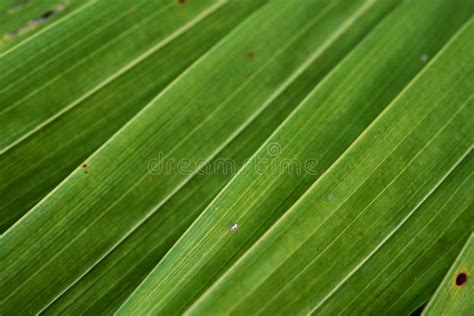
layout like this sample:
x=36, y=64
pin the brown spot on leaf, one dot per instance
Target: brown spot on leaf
x=461, y=279
x=251, y=55
x=84, y=165
x=362, y=234
x=181, y=1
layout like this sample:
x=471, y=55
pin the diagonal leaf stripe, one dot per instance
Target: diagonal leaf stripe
x=68, y=219
x=255, y=199
x=59, y=92
x=379, y=186
x=120, y=272
x=21, y=21
x=454, y=295
x=32, y=168
x=406, y=269
x=216, y=157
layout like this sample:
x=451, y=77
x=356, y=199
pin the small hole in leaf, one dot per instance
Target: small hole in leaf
x=461, y=279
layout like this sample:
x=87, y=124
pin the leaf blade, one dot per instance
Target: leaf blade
x=255, y=198
x=114, y=176
x=21, y=21
x=454, y=295
x=91, y=122
x=61, y=86
x=143, y=244
x=286, y=262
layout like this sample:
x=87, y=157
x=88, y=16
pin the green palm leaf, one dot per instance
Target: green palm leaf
x=121, y=268
x=126, y=46
x=55, y=150
x=219, y=157
x=201, y=131
x=371, y=187
x=22, y=20
x=255, y=199
x=455, y=293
